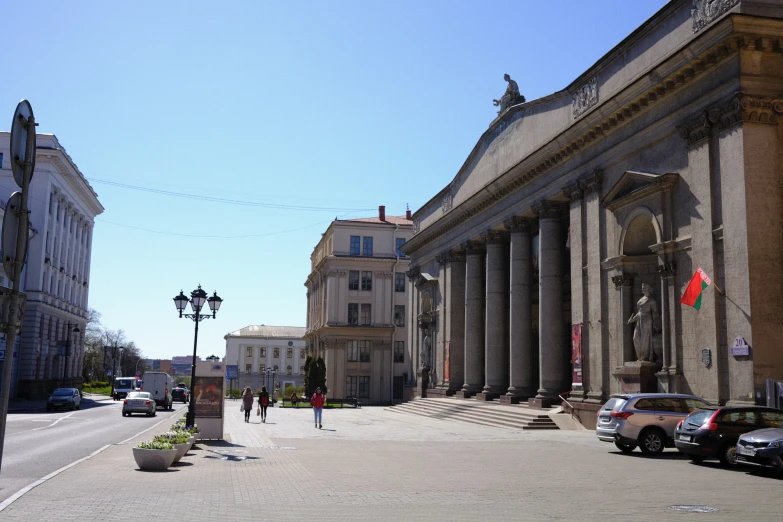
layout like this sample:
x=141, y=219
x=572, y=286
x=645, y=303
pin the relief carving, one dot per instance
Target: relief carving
x=585, y=97
x=447, y=202
x=704, y=12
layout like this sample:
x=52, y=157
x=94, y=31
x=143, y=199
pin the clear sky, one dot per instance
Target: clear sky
x=294, y=112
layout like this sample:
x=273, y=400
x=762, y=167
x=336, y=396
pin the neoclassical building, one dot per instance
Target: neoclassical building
x=555, y=260
x=63, y=207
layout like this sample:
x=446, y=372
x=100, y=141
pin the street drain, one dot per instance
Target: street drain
x=694, y=509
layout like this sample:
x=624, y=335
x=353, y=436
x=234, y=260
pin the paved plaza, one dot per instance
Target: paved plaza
x=374, y=464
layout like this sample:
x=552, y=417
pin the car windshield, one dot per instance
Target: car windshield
x=611, y=403
x=124, y=383
x=138, y=395
x=63, y=392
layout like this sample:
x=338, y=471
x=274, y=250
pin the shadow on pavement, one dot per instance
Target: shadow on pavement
x=639, y=455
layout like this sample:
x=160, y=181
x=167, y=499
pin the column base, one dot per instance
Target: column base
x=637, y=377
x=512, y=399
x=440, y=392
x=422, y=390
x=465, y=394
x=487, y=396
x=543, y=402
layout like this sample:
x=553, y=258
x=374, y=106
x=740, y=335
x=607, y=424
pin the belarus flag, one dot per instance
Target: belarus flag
x=692, y=295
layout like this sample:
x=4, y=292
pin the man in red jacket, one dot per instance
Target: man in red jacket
x=318, y=400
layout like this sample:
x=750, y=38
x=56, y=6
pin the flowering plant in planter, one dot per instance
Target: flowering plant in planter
x=155, y=445
x=173, y=437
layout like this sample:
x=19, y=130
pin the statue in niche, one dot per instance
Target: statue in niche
x=644, y=318
x=424, y=354
x=511, y=96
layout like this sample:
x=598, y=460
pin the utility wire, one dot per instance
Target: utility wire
x=212, y=237
x=228, y=201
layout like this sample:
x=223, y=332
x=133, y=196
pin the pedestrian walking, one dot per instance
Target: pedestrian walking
x=318, y=400
x=247, y=402
x=263, y=402
x=293, y=400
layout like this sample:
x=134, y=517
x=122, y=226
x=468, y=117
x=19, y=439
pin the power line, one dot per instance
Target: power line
x=226, y=200
x=211, y=237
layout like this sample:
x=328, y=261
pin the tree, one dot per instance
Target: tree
x=308, y=377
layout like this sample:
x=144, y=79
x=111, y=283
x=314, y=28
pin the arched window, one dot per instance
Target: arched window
x=289, y=370
x=276, y=368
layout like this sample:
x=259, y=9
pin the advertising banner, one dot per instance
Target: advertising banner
x=576, y=354
x=208, y=392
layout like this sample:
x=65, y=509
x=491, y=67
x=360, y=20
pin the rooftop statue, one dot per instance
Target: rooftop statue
x=511, y=96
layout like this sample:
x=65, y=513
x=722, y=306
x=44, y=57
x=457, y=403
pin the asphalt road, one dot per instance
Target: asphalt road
x=38, y=442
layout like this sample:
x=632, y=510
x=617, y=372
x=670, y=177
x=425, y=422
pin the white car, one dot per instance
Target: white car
x=138, y=402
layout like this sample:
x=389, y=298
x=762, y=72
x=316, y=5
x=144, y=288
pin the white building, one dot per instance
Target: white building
x=264, y=354
x=356, y=307
x=63, y=207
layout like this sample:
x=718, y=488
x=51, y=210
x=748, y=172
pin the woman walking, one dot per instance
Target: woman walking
x=247, y=402
x=263, y=402
x=318, y=400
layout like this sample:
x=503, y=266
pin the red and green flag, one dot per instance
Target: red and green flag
x=692, y=295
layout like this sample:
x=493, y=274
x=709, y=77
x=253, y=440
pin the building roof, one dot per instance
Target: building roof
x=271, y=332
x=390, y=220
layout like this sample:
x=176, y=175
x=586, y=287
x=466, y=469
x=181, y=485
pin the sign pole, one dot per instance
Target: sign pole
x=17, y=299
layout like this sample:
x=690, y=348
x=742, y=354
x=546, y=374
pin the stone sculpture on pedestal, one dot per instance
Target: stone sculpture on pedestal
x=424, y=354
x=644, y=318
x=511, y=96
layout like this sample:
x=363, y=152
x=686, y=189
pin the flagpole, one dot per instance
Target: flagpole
x=721, y=292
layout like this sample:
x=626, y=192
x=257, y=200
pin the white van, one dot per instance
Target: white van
x=159, y=385
x=123, y=386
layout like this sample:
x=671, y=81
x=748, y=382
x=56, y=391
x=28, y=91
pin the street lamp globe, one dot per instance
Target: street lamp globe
x=181, y=301
x=197, y=298
x=214, y=303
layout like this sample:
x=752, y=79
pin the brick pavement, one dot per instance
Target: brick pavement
x=370, y=464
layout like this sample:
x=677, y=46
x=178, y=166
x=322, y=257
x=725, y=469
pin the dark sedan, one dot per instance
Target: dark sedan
x=180, y=393
x=69, y=398
x=713, y=432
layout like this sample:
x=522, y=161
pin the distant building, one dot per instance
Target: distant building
x=182, y=364
x=63, y=207
x=264, y=354
x=356, y=307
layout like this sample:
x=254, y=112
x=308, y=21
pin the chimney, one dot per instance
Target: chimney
x=382, y=213
x=408, y=214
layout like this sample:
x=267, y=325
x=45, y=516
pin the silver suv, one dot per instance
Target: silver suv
x=646, y=420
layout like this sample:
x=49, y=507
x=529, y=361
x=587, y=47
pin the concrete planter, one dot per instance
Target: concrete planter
x=154, y=460
x=192, y=440
x=181, y=450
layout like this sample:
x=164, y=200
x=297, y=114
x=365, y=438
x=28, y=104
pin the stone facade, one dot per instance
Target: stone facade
x=63, y=207
x=357, y=302
x=264, y=354
x=663, y=157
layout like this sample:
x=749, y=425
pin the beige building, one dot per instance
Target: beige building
x=356, y=307
x=265, y=354
x=556, y=259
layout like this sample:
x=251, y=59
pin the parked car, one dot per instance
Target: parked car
x=180, y=393
x=712, y=433
x=139, y=402
x=646, y=420
x=763, y=447
x=64, y=398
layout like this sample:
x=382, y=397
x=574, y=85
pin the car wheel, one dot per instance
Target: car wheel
x=155, y=413
x=625, y=448
x=696, y=459
x=728, y=454
x=651, y=442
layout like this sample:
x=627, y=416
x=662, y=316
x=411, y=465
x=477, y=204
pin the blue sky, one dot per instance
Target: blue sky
x=337, y=107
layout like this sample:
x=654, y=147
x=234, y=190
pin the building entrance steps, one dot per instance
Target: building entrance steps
x=476, y=412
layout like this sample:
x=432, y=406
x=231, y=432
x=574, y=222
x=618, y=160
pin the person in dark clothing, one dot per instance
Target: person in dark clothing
x=247, y=402
x=263, y=402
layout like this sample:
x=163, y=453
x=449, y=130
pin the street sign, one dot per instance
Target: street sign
x=10, y=233
x=108, y=372
x=138, y=373
x=231, y=371
x=19, y=141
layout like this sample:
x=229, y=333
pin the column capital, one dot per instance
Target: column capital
x=413, y=272
x=592, y=182
x=547, y=210
x=622, y=280
x=667, y=269
x=457, y=256
x=573, y=192
x=493, y=237
x=473, y=248
x=444, y=258
x=518, y=225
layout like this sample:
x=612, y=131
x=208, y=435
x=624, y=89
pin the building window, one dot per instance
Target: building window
x=1, y=161
x=355, y=246
x=366, y=315
x=289, y=353
x=400, y=242
x=301, y=370
x=366, y=280
x=352, y=349
x=364, y=351
x=364, y=387
x=367, y=246
x=262, y=368
x=276, y=353
x=399, y=351
x=276, y=369
x=353, y=280
x=399, y=315
x=249, y=351
x=353, y=313
x=399, y=282
x=351, y=386
x=263, y=351
x=289, y=370
x=248, y=368
x=301, y=353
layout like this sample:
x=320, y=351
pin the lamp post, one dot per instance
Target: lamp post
x=197, y=299
x=68, y=331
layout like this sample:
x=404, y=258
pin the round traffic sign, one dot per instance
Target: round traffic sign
x=10, y=233
x=19, y=141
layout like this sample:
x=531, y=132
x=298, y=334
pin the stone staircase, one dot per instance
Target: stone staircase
x=519, y=417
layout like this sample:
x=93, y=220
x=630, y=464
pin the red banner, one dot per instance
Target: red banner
x=576, y=354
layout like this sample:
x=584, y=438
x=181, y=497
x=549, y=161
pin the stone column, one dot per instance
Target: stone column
x=441, y=305
x=496, y=317
x=455, y=322
x=666, y=376
x=474, y=320
x=595, y=325
x=579, y=316
x=521, y=385
x=552, y=355
x=625, y=284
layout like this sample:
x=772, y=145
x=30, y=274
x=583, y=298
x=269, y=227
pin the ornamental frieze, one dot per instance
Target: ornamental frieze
x=705, y=12
x=585, y=97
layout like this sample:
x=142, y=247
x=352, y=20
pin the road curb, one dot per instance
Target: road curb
x=16, y=496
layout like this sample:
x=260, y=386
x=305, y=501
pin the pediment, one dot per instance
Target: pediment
x=635, y=186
